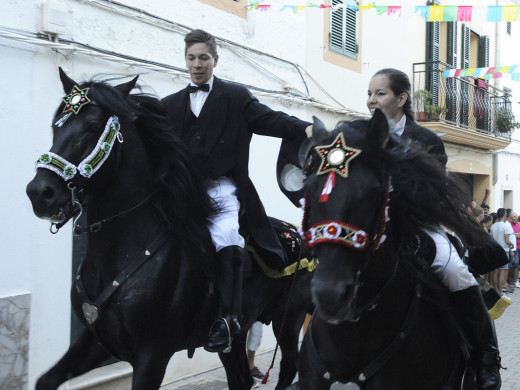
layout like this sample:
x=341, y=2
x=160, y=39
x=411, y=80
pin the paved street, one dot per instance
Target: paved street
x=508, y=331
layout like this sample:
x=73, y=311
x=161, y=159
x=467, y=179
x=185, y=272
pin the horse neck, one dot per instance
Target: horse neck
x=386, y=273
x=127, y=199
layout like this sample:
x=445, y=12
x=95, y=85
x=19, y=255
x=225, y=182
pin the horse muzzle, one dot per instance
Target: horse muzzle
x=335, y=301
x=50, y=199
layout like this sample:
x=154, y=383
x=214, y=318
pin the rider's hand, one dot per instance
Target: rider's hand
x=308, y=131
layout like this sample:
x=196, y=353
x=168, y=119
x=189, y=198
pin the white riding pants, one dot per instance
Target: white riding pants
x=254, y=336
x=447, y=265
x=223, y=226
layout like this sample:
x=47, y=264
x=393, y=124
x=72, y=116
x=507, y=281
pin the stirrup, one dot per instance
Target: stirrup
x=228, y=349
x=223, y=319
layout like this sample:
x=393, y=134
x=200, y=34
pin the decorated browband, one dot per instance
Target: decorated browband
x=74, y=101
x=335, y=158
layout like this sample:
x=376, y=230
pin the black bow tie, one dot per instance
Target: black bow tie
x=195, y=88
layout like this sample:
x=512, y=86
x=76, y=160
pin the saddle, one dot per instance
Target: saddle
x=293, y=246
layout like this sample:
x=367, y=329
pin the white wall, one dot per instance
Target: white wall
x=507, y=172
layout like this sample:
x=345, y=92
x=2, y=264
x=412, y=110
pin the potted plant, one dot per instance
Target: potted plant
x=422, y=98
x=505, y=120
x=434, y=112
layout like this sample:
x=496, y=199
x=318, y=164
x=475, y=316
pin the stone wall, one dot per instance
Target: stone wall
x=14, y=341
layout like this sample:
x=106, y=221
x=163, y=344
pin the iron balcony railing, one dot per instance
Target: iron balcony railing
x=468, y=102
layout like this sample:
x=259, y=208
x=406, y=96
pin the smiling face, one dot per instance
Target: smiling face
x=200, y=63
x=381, y=96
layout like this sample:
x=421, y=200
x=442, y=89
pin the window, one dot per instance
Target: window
x=233, y=7
x=508, y=28
x=343, y=38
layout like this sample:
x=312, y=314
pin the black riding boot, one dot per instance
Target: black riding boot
x=474, y=321
x=229, y=287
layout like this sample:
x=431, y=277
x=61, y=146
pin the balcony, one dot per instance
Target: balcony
x=466, y=111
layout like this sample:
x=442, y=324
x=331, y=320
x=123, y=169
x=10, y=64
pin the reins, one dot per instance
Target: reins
x=300, y=254
x=96, y=226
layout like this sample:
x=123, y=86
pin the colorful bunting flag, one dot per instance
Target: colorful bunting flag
x=492, y=72
x=431, y=13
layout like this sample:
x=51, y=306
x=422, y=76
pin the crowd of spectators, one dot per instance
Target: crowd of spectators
x=503, y=225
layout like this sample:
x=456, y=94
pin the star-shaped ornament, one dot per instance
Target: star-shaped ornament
x=76, y=99
x=336, y=156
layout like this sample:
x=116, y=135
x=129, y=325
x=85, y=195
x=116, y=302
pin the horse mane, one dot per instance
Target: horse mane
x=183, y=202
x=424, y=193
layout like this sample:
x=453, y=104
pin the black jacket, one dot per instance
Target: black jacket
x=228, y=119
x=426, y=138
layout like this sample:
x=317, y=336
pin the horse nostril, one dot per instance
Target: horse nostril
x=48, y=193
x=332, y=297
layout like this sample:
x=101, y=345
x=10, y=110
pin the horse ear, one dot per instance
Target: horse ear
x=67, y=82
x=125, y=88
x=378, y=127
x=319, y=130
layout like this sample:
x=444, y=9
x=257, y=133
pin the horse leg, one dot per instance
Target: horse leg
x=82, y=356
x=288, y=341
x=236, y=365
x=149, y=368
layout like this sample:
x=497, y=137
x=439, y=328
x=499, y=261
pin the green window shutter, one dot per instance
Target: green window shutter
x=452, y=55
x=452, y=59
x=483, y=51
x=433, y=43
x=343, y=31
x=465, y=44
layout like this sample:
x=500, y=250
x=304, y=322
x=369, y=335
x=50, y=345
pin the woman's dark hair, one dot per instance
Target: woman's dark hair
x=486, y=219
x=200, y=36
x=400, y=83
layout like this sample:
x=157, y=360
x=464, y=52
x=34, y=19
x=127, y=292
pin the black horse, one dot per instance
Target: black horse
x=145, y=288
x=382, y=320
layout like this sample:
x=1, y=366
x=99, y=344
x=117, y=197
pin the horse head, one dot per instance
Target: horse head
x=344, y=222
x=85, y=132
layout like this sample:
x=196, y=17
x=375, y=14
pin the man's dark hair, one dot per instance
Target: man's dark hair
x=485, y=206
x=200, y=36
x=508, y=212
x=501, y=212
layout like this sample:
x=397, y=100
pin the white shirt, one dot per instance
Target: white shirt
x=398, y=128
x=512, y=236
x=198, y=98
x=499, y=231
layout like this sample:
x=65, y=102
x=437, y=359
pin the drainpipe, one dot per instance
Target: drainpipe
x=497, y=47
x=495, y=169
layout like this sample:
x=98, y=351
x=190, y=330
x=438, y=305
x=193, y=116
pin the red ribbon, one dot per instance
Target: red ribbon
x=327, y=188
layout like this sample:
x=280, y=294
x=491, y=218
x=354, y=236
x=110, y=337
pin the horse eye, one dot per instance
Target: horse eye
x=93, y=127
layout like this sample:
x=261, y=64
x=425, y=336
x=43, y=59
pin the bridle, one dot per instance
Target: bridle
x=90, y=164
x=342, y=232
x=86, y=168
x=334, y=161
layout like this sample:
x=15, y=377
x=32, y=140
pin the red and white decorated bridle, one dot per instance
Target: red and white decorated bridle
x=334, y=160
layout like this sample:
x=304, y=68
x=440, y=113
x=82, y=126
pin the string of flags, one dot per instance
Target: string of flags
x=493, y=72
x=431, y=13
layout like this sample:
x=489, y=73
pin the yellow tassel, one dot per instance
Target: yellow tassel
x=499, y=308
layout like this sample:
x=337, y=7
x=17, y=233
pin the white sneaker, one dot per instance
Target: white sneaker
x=506, y=297
x=517, y=284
